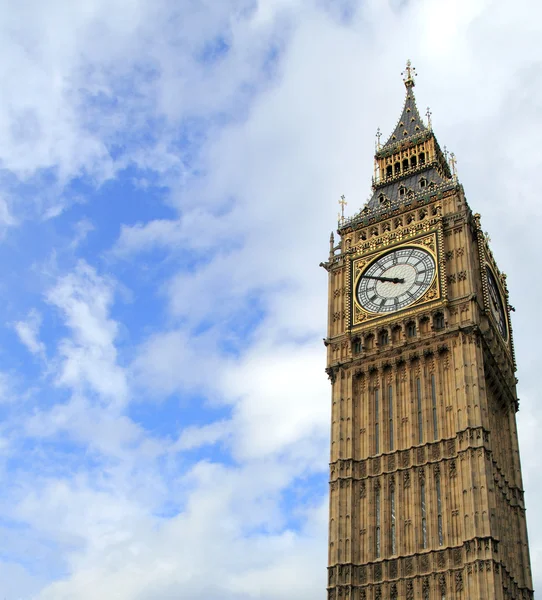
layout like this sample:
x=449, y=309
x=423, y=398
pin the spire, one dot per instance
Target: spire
x=410, y=123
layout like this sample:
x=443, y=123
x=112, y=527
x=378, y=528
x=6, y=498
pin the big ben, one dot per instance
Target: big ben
x=426, y=497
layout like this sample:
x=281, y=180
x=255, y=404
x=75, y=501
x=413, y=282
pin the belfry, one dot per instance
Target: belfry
x=426, y=497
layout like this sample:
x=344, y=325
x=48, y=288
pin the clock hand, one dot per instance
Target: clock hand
x=387, y=279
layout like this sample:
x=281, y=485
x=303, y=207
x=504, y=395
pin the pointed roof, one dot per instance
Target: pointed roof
x=410, y=123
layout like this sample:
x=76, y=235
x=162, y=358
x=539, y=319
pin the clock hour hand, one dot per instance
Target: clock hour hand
x=388, y=279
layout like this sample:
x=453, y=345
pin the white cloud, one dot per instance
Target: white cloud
x=261, y=216
x=28, y=332
x=195, y=437
x=89, y=355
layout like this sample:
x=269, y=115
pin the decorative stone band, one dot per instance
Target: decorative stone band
x=409, y=574
x=367, y=215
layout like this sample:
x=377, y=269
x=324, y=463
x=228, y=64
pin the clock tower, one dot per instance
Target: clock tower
x=426, y=496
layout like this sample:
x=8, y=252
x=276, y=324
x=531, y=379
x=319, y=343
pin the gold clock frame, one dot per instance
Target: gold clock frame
x=430, y=241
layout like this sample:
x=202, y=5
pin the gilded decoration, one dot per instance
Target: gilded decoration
x=408, y=237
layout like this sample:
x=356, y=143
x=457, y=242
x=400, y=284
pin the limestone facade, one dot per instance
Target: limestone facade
x=426, y=496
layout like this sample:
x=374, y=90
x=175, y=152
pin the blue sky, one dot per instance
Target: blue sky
x=169, y=177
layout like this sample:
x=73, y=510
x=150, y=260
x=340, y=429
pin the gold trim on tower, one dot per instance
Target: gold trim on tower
x=356, y=314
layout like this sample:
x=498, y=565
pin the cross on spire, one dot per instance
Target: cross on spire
x=409, y=74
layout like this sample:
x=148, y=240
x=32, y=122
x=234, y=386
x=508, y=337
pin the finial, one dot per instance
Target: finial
x=428, y=115
x=445, y=152
x=343, y=203
x=453, y=162
x=378, y=136
x=408, y=75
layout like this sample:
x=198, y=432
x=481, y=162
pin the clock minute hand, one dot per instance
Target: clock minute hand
x=388, y=279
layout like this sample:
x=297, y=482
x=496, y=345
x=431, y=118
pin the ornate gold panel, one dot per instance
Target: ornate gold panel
x=430, y=239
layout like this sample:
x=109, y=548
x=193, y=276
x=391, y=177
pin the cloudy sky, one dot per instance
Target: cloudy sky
x=170, y=171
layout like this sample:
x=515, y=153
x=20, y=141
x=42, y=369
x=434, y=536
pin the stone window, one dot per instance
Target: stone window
x=356, y=345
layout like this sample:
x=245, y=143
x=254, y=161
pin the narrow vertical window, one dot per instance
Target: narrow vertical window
x=390, y=414
x=377, y=522
x=424, y=514
x=377, y=424
x=434, y=405
x=392, y=514
x=420, y=415
x=439, y=510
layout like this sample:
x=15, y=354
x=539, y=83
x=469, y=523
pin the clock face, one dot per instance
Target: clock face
x=496, y=305
x=395, y=280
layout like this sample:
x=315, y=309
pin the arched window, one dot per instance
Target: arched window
x=411, y=329
x=423, y=511
x=423, y=182
x=413, y=162
x=402, y=190
x=389, y=171
x=377, y=420
x=438, y=321
x=369, y=342
x=439, y=510
x=381, y=198
x=397, y=168
x=393, y=537
x=424, y=325
x=356, y=345
x=377, y=522
x=383, y=338
x=405, y=164
x=422, y=158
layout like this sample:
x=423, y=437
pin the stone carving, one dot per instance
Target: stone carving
x=424, y=562
x=425, y=588
x=458, y=581
x=453, y=468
